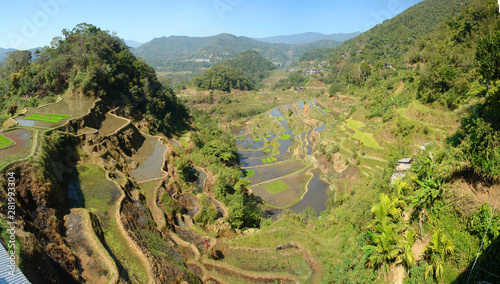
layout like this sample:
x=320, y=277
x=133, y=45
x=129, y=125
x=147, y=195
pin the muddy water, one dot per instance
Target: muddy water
x=202, y=176
x=321, y=128
x=277, y=113
x=285, y=144
x=271, y=172
x=253, y=154
x=42, y=124
x=250, y=143
x=253, y=162
x=112, y=123
x=24, y=142
x=150, y=160
x=316, y=196
x=309, y=147
x=71, y=107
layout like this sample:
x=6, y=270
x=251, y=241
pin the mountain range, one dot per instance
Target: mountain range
x=308, y=37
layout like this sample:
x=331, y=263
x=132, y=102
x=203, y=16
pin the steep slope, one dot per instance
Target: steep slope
x=390, y=40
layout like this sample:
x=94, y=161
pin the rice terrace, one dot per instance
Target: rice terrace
x=365, y=157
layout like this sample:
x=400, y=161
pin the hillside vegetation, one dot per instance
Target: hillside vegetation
x=89, y=62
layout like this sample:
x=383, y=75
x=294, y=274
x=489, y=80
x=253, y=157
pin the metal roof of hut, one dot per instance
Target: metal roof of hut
x=405, y=160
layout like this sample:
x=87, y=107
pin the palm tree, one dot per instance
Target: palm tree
x=406, y=256
x=438, y=249
x=386, y=209
x=386, y=248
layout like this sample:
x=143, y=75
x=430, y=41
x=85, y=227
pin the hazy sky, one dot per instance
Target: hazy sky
x=33, y=23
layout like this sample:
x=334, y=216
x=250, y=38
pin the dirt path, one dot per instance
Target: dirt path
x=97, y=245
x=156, y=211
x=131, y=243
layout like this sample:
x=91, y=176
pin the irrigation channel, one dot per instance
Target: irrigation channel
x=279, y=178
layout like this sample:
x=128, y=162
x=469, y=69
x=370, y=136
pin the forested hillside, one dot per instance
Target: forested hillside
x=161, y=53
x=252, y=64
x=89, y=62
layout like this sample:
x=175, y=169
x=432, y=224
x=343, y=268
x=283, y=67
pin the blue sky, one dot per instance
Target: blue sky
x=33, y=23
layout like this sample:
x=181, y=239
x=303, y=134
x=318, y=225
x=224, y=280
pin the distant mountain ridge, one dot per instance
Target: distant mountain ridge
x=133, y=43
x=308, y=37
x=3, y=53
x=160, y=52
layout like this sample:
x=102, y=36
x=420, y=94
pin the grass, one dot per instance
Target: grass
x=100, y=197
x=280, y=118
x=367, y=139
x=268, y=135
x=285, y=136
x=269, y=160
x=248, y=173
x=270, y=261
x=5, y=142
x=47, y=117
x=354, y=124
x=267, y=150
x=257, y=139
x=327, y=110
x=276, y=186
x=238, y=125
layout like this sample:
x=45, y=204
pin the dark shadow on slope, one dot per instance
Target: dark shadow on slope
x=487, y=267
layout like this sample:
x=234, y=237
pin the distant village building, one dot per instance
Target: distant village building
x=402, y=167
x=199, y=60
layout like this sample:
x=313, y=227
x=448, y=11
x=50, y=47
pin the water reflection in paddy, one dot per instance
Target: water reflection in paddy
x=253, y=162
x=315, y=197
x=277, y=113
x=321, y=128
x=150, y=159
x=285, y=144
x=265, y=173
x=250, y=143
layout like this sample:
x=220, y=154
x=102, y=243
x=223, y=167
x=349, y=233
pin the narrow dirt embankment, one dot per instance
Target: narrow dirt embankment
x=131, y=243
x=92, y=252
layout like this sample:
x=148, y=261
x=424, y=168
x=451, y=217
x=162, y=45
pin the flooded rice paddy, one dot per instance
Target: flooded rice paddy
x=111, y=124
x=23, y=139
x=72, y=107
x=150, y=158
x=303, y=186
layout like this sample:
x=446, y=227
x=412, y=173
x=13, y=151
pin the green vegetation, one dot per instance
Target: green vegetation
x=285, y=136
x=248, y=173
x=5, y=142
x=294, y=79
x=111, y=72
x=276, y=186
x=223, y=78
x=47, y=117
x=252, y=64
x=280, y=118
x=257, y=139
x=208, y=214
x=269, y=160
